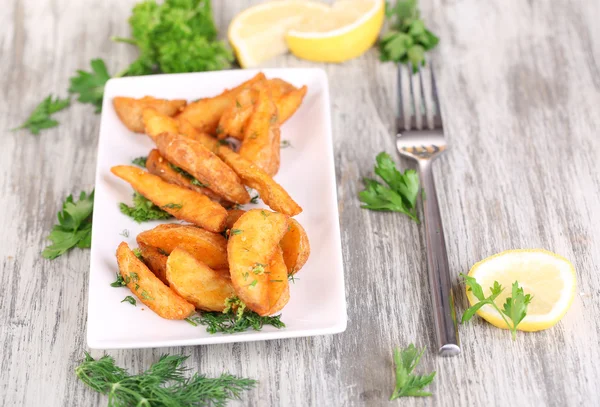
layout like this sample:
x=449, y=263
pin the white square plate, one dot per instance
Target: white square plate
x=317, y=305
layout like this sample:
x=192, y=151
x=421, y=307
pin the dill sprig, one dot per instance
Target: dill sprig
x=164, y=384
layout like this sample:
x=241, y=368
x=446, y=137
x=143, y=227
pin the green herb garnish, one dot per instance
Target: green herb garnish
x=90, y=85
x=130, y=300
x=140, y=161
x=189, y=176
x=236, y=318
x=164, y=384
x=285, y=144
x=401, y=193
x=235, y=231
x=74, y=227
x=514, y=308
x=407, y=383
x=259, y=268
x=172, y=206
x=138, y=253
x=143, y=209
x=407, y=39
x=120, y=281
x=254, y=199
x=41, y=117
x=146, y=296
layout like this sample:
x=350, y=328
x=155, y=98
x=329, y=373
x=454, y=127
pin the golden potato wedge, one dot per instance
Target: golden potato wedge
x=205, y=114
x=197, y=283
x=156, y=260
x=288, y=103
x=157, y=165
x=156, y=123
x=180, y=202
x=186, y=129
x=208, y=247
x=249, y=251
x=148, y=288
x=261, y=131
x=279, y=87
x=130, y=110
x=204, y=165
x=295, y=246
x=279, y=288
x=234, y=118
x=270, y=191
x=232, y=216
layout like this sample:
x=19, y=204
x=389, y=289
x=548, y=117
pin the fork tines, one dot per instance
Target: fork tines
x=421, y=92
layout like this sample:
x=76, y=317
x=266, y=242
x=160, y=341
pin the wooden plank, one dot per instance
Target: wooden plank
x=520, y=88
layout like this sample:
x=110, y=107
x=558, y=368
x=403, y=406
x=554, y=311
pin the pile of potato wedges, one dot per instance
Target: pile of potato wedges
x=196, y=175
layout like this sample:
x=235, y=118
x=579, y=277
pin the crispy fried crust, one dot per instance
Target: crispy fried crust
x=261, y=132
x=270, y=191
x=279, y=288
x=156, y=261
x=130, y=110
x=205, y=114
x=232, y=216
x=295, y=246
x=250, y=251
x=288, y=103
x=197, y=283
x=149, y=289
x=156, y=123
x=157, y=165
x=180, y=202
x=204, y=165
x=208, y=247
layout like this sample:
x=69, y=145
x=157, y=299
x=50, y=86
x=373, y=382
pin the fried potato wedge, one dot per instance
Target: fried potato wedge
x=156, y=123
x=180, y=202
x=197, y=283
x=261, y=131
x=279, y=288
x=156, y=260
x=204, y=165
x=205, y=114
x=249, y=253
x=295, y=246
x=157, y=165
x=288, y=103
x=148, y=288
x=208, y=247
x=234, y=118
x=130, y=110
x=270, y=191
x=186, y=129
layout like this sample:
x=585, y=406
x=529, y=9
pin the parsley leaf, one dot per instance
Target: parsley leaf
x=130, y=300
x=407, y=383
x=41, y=118
x=143, y=209
x=175, y=36
x=408, y=39
x=74, y=227
x=515, y=307
x=140, y=161
x=90, y=85
x=399, y=196
x=235, y=318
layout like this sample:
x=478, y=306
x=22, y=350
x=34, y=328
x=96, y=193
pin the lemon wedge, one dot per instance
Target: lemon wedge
x=344, y=31
x=258, y=33
x=548, y=277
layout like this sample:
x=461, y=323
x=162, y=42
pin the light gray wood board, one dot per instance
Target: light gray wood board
x=520, y=88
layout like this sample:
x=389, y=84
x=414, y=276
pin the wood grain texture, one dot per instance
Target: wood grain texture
x=520, y=88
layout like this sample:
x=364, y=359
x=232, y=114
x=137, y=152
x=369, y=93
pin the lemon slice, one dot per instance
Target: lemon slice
x=258, y=33
x=344, y=31
x=548, y=277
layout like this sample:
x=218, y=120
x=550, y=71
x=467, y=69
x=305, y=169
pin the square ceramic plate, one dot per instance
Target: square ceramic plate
x=317, y=305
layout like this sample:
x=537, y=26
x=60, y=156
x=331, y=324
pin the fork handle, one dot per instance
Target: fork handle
x=444, y=315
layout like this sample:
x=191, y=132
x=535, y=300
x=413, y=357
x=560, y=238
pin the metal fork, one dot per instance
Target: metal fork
x=422, y=139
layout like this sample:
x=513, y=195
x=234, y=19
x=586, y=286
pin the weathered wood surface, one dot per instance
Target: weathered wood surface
x=520, y=87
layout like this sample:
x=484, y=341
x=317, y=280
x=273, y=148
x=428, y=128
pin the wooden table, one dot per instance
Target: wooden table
x=520, y=88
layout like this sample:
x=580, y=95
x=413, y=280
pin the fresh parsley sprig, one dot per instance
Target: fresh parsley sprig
x=74, y=227
x=407, y=383
x=407, y=39
x=400, y=194
x=89, y=86
x=143, y=209
x=514, y=308
x=41, y=117
x=140, y=161
x=163, y=384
